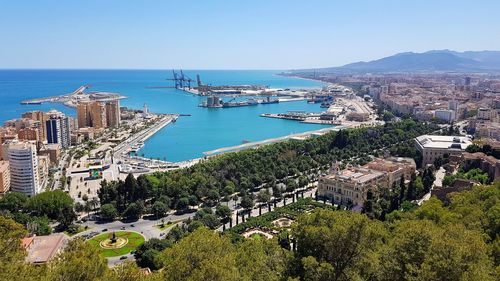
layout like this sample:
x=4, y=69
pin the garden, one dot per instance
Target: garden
x=113, y=244
x=276, y=221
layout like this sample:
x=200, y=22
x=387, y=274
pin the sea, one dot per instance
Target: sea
x=204, y=130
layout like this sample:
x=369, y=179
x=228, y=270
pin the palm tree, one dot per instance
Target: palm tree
x=235, y=198
x=88, y=207
x=95, y=202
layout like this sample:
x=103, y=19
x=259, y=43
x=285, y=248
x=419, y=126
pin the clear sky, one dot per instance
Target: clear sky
x=246, y=34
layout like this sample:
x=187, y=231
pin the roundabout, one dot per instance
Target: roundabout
x=112, y=244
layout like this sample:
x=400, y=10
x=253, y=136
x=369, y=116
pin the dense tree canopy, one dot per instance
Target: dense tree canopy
x=436, y=241
x=37, y=211
x=288, y=162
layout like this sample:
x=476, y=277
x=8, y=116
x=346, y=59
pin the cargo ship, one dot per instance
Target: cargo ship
x=249, y=102
x=268, y=100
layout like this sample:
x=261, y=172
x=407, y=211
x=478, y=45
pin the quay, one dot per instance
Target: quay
x=299, y=136
x=122, y=150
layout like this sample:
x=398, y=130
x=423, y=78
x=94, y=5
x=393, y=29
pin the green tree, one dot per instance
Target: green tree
x=291, y=185
x=159, y=209
x=420, y=250
x=262, y=260
x=78, y=261
x=108, y=212
x=223, y=211
x=148, y=253
x=341, y=245
x=277, y=192
x=203, y=255
x=264, y=196
x=13, y=202
x=133, y=211
x=247, y=202
x=52, y=204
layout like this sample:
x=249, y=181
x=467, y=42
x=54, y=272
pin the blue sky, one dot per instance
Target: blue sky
x=257, y=34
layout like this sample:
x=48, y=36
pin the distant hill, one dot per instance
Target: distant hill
x=431, y=61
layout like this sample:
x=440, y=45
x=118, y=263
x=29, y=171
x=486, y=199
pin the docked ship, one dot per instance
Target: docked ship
x=135, y=148
x=249, y=102
x=268, y=100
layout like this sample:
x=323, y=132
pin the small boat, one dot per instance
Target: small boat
x=325, y=104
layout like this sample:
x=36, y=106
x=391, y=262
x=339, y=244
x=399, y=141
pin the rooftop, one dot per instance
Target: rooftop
x=359, y=175
x=434, y=141
x=389, y=164
x=43, y=248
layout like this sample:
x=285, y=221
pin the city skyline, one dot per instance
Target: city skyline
x=227, y=35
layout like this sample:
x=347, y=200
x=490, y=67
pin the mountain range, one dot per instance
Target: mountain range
x=431, y=61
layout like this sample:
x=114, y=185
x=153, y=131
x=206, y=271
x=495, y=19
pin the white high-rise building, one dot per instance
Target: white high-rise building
x=445, y=115
x=24, y=173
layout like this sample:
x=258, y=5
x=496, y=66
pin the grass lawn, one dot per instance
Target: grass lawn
x=134, y=240
x=167, y=224
x=256, y=237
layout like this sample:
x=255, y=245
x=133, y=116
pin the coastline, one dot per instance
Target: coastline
x=256, y=144
x=304, y=78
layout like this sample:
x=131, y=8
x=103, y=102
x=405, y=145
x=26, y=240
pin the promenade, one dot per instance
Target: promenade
x=270, y=141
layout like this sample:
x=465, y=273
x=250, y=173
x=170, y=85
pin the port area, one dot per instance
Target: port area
x=126, y=153
x=348, y=111
x=299, y=136
x=217, y=102
x=79, y=95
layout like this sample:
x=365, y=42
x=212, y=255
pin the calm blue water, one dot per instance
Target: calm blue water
x=206, y=129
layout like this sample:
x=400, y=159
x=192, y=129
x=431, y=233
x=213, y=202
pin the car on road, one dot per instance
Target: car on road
x=123, y=228
x=123, y=257
x=132, y=225
x=104, y=230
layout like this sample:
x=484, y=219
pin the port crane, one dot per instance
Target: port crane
x=181, y=80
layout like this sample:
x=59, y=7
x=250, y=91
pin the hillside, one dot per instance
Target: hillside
x=431, y=61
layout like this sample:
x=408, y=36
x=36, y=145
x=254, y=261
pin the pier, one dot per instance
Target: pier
x=76, y=96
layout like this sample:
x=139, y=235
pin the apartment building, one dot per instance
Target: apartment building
x=58, y=129
x=113, y=113
x=91, y=114
x=4, y=177
x=24, y=168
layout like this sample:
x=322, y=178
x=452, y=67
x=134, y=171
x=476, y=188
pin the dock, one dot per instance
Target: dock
x=122, y=150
